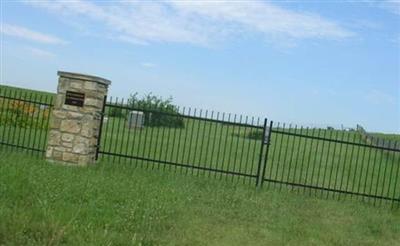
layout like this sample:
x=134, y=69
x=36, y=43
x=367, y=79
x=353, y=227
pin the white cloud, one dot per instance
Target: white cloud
x=39, y=52
x=148, y=64
x=392, y=6
x=315, y=92
x=265, y=18
x=196, y=22
x=396, y=40
x=378, y=97
x=25, y=33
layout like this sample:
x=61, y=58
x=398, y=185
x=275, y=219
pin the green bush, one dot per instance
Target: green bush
x=257, y=135
x=163, y=111
x=117, y=112
x=254, y=135
x=21, y=114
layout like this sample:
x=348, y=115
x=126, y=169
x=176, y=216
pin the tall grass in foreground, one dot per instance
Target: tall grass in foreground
x=116, y=204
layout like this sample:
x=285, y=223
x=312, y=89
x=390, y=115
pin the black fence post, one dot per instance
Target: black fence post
x=267, y=141
x=101, y=127
x=261, y=153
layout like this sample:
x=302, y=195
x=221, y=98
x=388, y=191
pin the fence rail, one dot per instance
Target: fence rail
x=188, y=140
x=335, y=162
x=232, y=147
x=254, y=151
x=24, y=119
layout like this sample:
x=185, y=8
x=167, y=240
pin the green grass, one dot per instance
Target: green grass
x=23, y=92
x=291, y=159
x=117, y=204
x=389, y=137
x=27, y=137
x=226, y=147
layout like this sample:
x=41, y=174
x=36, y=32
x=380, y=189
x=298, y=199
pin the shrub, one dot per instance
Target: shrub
x=163, y=111
x=257, y=135
x=253, y=135
x=117, y=112
x=22, y=114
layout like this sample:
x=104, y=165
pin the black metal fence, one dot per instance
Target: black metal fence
x=24, y=119
x=189, y=140
x=375, y=140
x=332, y=162
x=252, y=150
x=224, y=146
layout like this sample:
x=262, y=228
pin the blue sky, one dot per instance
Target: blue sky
x=307, y=62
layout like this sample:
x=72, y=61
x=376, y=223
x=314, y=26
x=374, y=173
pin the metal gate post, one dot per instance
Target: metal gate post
x=261, y=153
x=268, y=142
x=101, y=127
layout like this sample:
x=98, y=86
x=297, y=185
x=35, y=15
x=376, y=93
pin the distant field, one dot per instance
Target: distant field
x=24, y=93
x=390, y=137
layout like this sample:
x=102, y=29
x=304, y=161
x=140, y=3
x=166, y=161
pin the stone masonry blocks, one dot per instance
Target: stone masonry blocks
x=74, y=130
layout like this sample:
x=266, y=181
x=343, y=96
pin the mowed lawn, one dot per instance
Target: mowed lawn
x=117, y=204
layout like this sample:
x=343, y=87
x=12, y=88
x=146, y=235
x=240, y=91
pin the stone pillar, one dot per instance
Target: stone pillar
x=75, y=118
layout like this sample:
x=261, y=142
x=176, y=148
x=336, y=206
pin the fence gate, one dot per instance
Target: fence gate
x=332, y=162
x=102, y=117
x=185, y=140
x=265, y=145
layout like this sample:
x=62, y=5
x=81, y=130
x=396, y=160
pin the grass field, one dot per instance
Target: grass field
x=224, y=147
x=116, y=204
x=23, y=92
x=291, y=159
x=389, y=137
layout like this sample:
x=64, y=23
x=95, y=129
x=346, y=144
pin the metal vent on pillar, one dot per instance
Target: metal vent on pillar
x=74, y=98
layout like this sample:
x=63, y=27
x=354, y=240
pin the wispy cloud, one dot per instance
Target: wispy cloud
x=264, y=17
x=148, y=64
x=25, y=33
x=378, y=97
x=197, y=22
x=315, y=92
x=392, y=6
x=396, y=40
x=40, y=52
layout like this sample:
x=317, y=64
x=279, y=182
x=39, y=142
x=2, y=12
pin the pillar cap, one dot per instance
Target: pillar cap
x=84, y=77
